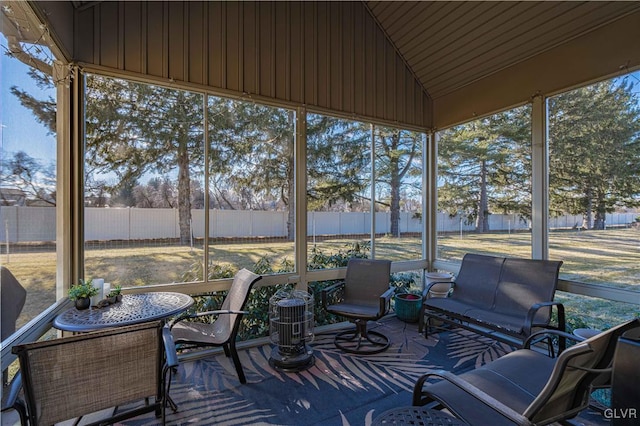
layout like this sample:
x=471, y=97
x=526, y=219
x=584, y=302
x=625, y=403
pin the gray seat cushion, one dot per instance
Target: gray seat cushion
x=509, y=381
x=449, y=305
x=508, y=322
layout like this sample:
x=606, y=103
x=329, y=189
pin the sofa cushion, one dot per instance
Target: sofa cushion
x=514, y=379
x=449, y=305
x=507, y=322
x=523, y=283
x=477, y=280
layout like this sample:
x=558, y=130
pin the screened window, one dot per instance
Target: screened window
x=484, y=187
x=144, y=162
x=398, y=193
x=28, y=173
x=157, y=195
x=594, y=192
x=338, y=191
x=251, y=187
x=346, y=191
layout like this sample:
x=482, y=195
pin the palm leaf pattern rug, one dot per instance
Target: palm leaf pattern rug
x=339, y=389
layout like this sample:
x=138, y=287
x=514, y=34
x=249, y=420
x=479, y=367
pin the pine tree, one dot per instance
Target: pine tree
x=595, y=151
x=484, y=167
x=398, y=157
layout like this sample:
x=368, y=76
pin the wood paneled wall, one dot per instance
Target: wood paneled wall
x=324, y=55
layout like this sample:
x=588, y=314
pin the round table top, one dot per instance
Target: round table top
x=133, y=309
x=586, y=333
x=416, y=416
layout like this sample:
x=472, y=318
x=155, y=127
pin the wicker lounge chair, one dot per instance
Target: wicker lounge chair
x=526, y=387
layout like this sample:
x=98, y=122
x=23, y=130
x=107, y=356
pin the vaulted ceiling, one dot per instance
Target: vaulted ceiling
x=449, y=45
x=428, y=64
x=478, y=57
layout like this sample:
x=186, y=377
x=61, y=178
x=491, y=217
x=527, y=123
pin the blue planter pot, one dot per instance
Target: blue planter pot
x=407, y=307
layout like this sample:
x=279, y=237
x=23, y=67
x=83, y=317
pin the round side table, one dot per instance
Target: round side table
x=585, y=333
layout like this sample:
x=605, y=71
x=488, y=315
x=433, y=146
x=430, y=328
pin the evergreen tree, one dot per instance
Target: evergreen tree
x=398, y=157
x=338, y=164
x=251, y=161
x=595, y=151
x=134, y=128
x=484, y=166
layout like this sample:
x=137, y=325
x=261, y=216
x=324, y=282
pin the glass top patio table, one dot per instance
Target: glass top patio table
x=133, y=309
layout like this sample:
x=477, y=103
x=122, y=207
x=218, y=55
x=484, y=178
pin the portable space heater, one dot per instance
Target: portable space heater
x=291, y=329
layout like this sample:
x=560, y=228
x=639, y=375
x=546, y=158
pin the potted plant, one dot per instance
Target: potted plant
x=406, y=302
x=81, y=293
x=442, y=286
x=115, y=295
x=407, y=306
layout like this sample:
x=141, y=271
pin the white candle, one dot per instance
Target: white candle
x=99, y=284
x=106, y=289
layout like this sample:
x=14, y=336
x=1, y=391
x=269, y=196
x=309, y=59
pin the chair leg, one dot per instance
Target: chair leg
x=361, y=341
x=427, y=325
x=236, y=362
x=168, y=374
x=22, y=412
x=552, y=352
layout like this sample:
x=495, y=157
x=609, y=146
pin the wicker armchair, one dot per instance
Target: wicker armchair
x=74, y=376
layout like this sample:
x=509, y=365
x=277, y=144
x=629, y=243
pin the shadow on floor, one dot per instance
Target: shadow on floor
x=339, y=389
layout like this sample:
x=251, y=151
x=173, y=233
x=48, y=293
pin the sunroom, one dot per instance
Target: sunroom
x=182, y=141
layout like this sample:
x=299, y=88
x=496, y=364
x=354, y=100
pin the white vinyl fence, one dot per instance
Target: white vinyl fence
x=38, y=224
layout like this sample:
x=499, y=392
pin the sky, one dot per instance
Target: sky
x=20, y=131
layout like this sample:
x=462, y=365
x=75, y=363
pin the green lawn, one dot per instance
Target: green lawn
x=610, y=257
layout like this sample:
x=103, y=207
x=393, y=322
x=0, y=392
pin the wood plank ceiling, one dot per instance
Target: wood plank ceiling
x=449, y=45
x=469, y=58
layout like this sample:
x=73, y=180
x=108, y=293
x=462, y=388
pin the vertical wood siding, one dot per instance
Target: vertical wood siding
x=330, y=55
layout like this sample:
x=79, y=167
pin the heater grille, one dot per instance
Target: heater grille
x=291, y=329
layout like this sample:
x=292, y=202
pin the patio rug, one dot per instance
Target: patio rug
x=339, y=389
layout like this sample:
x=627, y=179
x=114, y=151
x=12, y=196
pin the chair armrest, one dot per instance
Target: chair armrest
x=169, y=348
x=388, y=294
x=533, y=310
x=425, y=292
x=529, y=321
x=11, y=401
x=10, y=398
x=385, y=299
x=205, y=314
x=471, y=390
x=527, y=342
x=324, y=294
x=217, y=312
